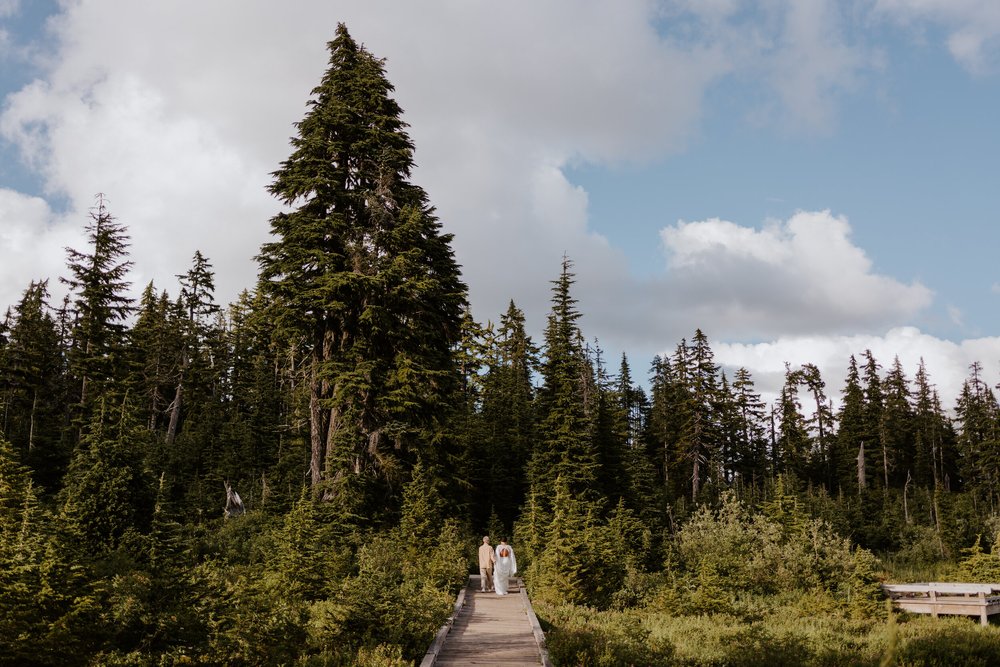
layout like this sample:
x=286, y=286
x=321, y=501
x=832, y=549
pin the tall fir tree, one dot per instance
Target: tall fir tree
x=507, y=416
x=565, y=448
x=978, y=420
x=876, y=455
x=699, y=439
x=101, y=305
x=820, y=426
x=793, y=439
x=32, y=387
x=897, y=425
x=851, y=435
x=361, y=273
x=750, y=458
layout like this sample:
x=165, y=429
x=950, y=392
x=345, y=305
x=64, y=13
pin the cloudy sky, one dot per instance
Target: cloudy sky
x=801, y=179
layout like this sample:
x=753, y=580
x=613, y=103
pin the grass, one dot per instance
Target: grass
x=757, y=631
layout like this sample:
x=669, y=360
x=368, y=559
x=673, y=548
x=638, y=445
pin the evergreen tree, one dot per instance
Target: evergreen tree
x=666, y=418
x=750, y=456
x=107, y=498
x=698, y=440
x=932, y=434
x=876, y=456
x=978, y=419
x=361, y=274
x=565, y=448
x=196, y=305
x=897, y=425
x=793, y=440
x=643, y=493
x=508, y=417
x=37, y=583
x=154, y=347
x=32, y=387
x=851, y=435
x=101, y=303
x=820, y=425
x=610, y=432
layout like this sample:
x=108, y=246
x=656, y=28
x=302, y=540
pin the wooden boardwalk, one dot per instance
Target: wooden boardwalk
x=489, y=629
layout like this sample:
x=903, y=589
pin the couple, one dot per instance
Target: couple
x=502, y=559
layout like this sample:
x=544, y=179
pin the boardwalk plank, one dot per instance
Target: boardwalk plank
x=489, y=630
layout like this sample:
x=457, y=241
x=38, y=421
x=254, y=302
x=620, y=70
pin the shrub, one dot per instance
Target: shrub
x=952, y=642
x=979, y=565
x=580, y=637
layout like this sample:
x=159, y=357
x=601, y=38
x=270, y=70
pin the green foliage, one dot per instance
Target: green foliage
x=581, y=637
x=108, y=495
x=978, y=565
x=951, y=642
x=741, y=551
x=362, y=279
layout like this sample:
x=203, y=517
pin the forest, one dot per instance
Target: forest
x=302, y=476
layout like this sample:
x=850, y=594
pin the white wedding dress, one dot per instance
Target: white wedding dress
x=504, y=567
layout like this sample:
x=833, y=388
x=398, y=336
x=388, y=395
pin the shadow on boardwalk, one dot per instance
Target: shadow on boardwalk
x=489, y=629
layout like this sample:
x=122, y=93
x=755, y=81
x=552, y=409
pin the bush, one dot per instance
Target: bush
x=730, y=550
x=978, y=565
x=579, y=637
x=952, y=642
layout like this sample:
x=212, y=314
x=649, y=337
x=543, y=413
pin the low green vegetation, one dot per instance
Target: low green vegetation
x=767, y=588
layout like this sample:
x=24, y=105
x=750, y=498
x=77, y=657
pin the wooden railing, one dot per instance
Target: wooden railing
x=946, y=598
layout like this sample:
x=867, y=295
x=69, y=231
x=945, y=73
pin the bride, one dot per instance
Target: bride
x=504, y=567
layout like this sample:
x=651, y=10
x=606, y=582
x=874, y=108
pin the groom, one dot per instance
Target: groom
x=486, y=559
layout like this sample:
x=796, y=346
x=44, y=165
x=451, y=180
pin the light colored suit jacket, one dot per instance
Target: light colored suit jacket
x=486, y=557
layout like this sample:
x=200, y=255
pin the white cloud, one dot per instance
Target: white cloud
x=947, y=363
x=32, y=243
x=803, y=275
x=973, y=26
x=9, y=7
x=805, y=52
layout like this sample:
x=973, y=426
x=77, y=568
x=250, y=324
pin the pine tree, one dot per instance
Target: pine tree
x=108, y=496
x=820, y=425
x=750, y=457
x=361, y=274
x=507, y=416
x=565, y=448
x=101, y=304
x=32, y=387
x=643, y=492
x=793, y=440
x=877, y=458
x=897, y=425
x=610, y=432
x=932, y=434
x=154, y=347
x=666, y=416
x=978, y=419
x=851, y=434
x=698, y=443
x=196, y=305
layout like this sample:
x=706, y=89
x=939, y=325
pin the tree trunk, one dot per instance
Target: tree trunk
x=862, y=481
x=315, y=424
x=31, y=427
x=175, y=413
x=906, y=507
x=175, y=407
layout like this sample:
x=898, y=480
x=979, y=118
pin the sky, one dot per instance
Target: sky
x=801, y=180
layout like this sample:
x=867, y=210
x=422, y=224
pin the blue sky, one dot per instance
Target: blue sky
x=801, y=179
